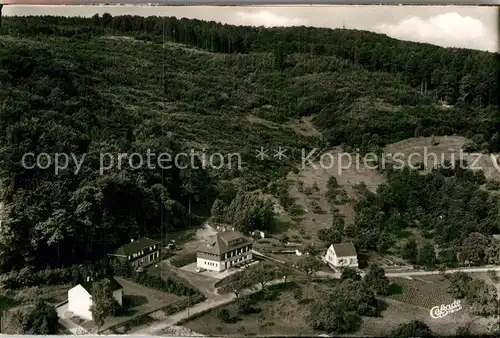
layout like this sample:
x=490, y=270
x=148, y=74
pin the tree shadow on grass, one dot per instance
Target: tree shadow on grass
x=278, y=226
x=7, y=302
x=131, y=301
x=395, y=289
x=382, y=305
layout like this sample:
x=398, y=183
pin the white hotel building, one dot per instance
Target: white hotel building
x=224, y=250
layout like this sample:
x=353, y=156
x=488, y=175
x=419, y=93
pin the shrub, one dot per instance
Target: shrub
x=298, y=293
x=493, y=275
x=224, y=316
x=245, y=305
x=330, y=235
x=493, y=185
x=284, y=239
x=296, y=210
x=300, y=186
x=315, y=207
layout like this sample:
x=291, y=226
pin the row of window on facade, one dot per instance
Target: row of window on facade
x=141, y=253
x=148, y=258
x=345, y=261
x=238, y=260
x=237, y=252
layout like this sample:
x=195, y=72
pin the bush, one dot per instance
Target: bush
x=27, y=277
x=284, y=239
x=330, y=235
x=224, y=316
x=470, y=147
x=296, y=210
x=300, y=186
x=245, y=306
x=315, y=207
x=493, y=275
x=493, y=185
x=298, y=293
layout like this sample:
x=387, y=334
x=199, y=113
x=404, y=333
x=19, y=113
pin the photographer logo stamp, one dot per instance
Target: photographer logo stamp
x=442, y=310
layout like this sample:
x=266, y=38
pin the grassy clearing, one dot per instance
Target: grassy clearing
x=184, y=259
x=282, y=314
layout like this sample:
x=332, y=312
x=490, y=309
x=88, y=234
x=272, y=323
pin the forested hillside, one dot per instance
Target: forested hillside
x=106, y=85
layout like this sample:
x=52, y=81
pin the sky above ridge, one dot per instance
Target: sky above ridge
x=448, y=26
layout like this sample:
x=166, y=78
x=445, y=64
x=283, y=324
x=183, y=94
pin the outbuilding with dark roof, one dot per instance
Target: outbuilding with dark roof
x=139, y=252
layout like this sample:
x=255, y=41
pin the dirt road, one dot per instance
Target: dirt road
x=336, y=275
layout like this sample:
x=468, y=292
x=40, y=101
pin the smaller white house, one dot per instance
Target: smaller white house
x=80, y=297
x=342, y=255
x=258, y=234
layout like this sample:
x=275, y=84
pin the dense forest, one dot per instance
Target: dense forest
x=447, y=207
x=106, y=85
x=450, y=74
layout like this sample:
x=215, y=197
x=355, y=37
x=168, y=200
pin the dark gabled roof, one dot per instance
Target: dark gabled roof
x=113, y=284
x=135, y=246
x=229, y=236
x=344, y=250
x=220, y=243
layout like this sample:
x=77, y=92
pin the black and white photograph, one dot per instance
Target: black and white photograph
x=192, y=170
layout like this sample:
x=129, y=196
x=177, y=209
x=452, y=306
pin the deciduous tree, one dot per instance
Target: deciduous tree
x=376, y=280
x=103, y=302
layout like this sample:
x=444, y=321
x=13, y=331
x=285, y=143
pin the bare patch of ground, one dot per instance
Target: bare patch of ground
x=188, y=49
x=120, y=37
x=305, y=127
x=281, y=316
x=287, y=316
x=398, y=313
x=263, y=122
x=317, y=209
x=427, y=150
x=346, y=178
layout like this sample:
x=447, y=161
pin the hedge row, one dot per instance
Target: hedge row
x=28, y=277
x=168, y=284
x=183, y=304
